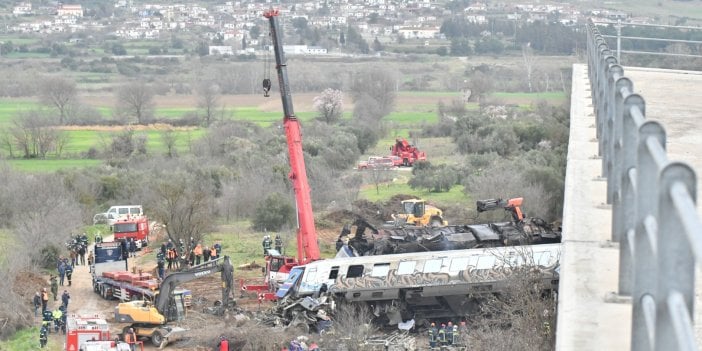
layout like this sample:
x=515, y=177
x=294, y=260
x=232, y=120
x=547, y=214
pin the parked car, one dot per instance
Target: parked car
x=100, y=218
x=376, y=162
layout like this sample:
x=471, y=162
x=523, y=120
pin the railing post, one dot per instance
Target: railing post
x=645, y=241
x=676, y=262
x=623, y=211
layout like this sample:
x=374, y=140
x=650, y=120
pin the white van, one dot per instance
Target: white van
x=117, y=212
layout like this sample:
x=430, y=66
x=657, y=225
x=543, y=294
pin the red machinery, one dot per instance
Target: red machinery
x=278, y=266
x=408, y=153
x=135, y=227
x=82, y=329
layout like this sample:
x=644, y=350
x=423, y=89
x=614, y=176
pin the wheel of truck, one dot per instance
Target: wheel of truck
x=405, y=162
x=156, y=338
x=435, y=223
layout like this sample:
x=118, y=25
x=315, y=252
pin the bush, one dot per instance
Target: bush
x=273, y=213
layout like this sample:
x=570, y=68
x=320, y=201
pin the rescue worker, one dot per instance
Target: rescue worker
x=223, y=343
x=442, y=335
x=43, y=336
x=37, y=303
x=266, y=244
x=160, y=264
x=57, y=314
x=61, y=272
x=218, y=249
x=69, y=273
x=54, y=287
x=171, y=255
x=432, y=336
x=456, y=339
x=91, y=260
x=81, y=252
x=278, y=243
x=98, y=237
x=65, y=298
x=214, y=252
x=449, y=333
x=44, y=299
x=206, y=253
x=47, y=317
x=130, y=339
x=198, y=254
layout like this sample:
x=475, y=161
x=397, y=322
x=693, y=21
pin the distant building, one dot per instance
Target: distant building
x=70, y=10
x=419, y=33
x=304, y=50
x=22, y=9
x=221, y=50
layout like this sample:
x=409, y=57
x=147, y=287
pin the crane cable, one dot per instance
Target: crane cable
x=267, y=70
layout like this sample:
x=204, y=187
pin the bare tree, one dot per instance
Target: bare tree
x=379, y=175
x=529, y=58
x=184, y=204
x=377, y=85
x=329, y=104
x=169, y=139
x=32, y=134
x=60, y=93
x=135, y=100
x=208, y=100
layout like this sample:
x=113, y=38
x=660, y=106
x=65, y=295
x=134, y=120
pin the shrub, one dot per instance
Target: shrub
x=273, y=213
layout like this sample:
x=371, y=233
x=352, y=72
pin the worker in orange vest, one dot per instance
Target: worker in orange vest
x=198, y=253
x=130, y=338
x=213, y=252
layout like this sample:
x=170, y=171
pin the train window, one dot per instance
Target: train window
x=485, y=262
x=406, y=267
x=432, y=266
x=354, y=271
x=334, y=272
x=380, y=270
x=311, y=275
x=458, y=264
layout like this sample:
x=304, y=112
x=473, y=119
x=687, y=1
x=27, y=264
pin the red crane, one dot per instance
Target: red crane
x=307, y=248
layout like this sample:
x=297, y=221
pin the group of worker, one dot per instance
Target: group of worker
x=267, y=242
x=446, y=335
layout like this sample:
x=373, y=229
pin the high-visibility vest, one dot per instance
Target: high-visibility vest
x=442, y=335
x=129, y=338
x=198, y=250
x=45, y=295
x=432, y=337
x=213, y=251
x=171, y=254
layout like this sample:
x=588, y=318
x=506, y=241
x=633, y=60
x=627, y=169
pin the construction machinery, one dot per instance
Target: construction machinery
x=150, y=318
x=512, y=206
x=417, y=212
x=407, y=152
x=307, y=247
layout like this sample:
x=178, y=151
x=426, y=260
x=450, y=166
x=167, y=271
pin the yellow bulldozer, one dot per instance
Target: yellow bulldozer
x=418, y=213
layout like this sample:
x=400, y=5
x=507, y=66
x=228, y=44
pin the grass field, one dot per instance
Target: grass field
x=28, y=340
x=48, y=166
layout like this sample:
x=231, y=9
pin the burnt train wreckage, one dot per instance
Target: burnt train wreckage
x=417, y=284
x=521, y=230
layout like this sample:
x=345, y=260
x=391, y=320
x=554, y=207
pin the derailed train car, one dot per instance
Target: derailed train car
x=419, y=285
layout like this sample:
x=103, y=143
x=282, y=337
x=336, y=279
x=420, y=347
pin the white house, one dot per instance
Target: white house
x=70, y=10
x=23, y=8
x=221, y=50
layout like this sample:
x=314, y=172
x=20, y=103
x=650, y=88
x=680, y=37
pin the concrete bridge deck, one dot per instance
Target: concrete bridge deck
x=590, y=314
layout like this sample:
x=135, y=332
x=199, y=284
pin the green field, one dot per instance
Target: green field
x=28, y=340
x=388, y=189
x=48, y=166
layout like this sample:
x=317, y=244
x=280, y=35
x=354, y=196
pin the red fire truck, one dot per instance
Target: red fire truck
x=79, y=330
x=135, y=227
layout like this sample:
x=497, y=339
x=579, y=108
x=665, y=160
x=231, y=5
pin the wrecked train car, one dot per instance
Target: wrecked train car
x=406, y=239
x=419, y=286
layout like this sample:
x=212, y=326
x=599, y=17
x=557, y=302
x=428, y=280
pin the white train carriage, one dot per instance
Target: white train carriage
x=427, y=284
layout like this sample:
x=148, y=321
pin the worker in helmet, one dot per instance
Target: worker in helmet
x=442, y=335
x=432, y=336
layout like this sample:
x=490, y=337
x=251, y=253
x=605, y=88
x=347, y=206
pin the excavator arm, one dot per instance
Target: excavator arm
x=512, y=206
x=163, y=301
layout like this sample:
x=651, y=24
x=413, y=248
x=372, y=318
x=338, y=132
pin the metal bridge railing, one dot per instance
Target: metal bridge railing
x=654, y=215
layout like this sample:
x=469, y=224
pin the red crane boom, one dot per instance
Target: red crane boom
x=307, y=248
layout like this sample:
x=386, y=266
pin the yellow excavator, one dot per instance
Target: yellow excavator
x=150, y=319
x=418, y=213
